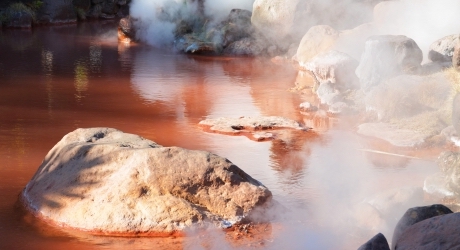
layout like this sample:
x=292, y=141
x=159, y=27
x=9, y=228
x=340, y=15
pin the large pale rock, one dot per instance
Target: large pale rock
x=105, y=181
x=456, y=57
x=385, y=57
x=439, y=232
x=57, y=11
x=317, y=40
x=442, y=50
x=352, y=41
x=378, y=242
x=415, y=215
x=336, y=67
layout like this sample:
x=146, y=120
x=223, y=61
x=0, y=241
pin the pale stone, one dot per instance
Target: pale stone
x=106, y=181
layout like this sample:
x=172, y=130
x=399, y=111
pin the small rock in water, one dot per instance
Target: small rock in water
x=307, y=107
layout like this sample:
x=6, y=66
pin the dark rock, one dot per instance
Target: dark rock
x=57, y=11
x=193, y=45
x=378, y=242
x=244, y=47
x=443, y=49
x=95, y=11
x=82, y=4
x=97, y=1
x=387, y=56
x=439, y=232
x=110, y=7
x=456, y=113
x=415, y=215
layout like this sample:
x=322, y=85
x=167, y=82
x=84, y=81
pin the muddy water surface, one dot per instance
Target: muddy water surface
x=56, y=79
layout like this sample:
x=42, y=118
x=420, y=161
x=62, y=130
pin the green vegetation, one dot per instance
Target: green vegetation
x=18, y=7
x=81, y=14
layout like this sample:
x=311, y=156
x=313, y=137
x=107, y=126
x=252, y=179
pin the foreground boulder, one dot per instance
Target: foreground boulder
x=387, y=56
x=415, y=215
x=105, y=181
x=439, y=232
x=442, y=50
x=378, y=242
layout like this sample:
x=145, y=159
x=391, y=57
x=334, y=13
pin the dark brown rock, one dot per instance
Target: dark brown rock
x=415, y=215
x=378, y=242
x=439, y=232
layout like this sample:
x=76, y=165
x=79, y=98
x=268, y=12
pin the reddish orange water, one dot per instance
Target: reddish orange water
x=56, y=79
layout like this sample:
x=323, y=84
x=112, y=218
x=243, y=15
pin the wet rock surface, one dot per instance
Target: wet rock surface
x=105, y=181
x=415, y=215
x=336, y=67
x=259, y=128
x=378, y=242
x=387, y=56
x=439, y=232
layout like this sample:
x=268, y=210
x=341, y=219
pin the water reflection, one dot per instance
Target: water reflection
x=81, y=79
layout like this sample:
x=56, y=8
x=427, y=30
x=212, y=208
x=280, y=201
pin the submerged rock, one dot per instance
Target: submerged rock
x=105, y=181
x=385, y=57
x=439, y=232
x=378, y=242
x=415, y=215
x=252, y=126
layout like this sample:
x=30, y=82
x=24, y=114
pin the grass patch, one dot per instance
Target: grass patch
x=453, y=76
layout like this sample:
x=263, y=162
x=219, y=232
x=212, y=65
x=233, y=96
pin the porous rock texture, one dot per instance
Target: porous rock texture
x=442, y=50
x=246, y=124
x=336, y=67
x=439, y=232
x=415, y=215
x=317, y=40
x=387, y=56
x=105, y=181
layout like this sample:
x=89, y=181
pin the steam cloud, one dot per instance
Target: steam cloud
x=156, y=25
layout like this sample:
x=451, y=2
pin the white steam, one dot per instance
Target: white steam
x=425, y=21
x=158, y=19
